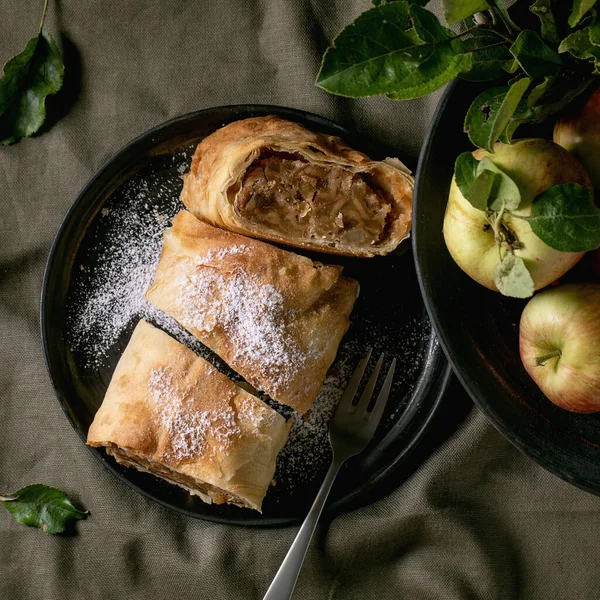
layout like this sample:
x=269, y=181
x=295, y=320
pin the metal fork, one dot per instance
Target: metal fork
x=350, y=430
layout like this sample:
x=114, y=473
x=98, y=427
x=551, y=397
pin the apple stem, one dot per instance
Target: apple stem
x=540, y=361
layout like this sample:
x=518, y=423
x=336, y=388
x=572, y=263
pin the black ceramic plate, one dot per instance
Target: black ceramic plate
x=102, y=260
x=478, y=328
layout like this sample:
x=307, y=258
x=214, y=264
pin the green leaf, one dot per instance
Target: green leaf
x=433, y=73
x=543, y=10
x=539, y=90
x=594, y=30
x=580, y=9
x=465, y=171
x=491, y=111
x=480, y=190
x=484, y=185
x=512, y=278
x=15, y=72
x=367, y=57
x=579, y=45
x=522, y=114
x=559, y=96
x=457, y=10
x=536, y=58
x=509, y=131
x=508, y=107
x=512, y=66
x=42, y=506
x=441, y=62
x=501, y=7
x=28, y=79
x=428, y=26
x=505, y=193
x=566, y=218
x=489, y=58
x=379, y=54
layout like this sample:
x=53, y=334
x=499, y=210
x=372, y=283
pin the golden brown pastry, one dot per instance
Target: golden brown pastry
x=275, y=180
x=273, y=316
x=170, y=413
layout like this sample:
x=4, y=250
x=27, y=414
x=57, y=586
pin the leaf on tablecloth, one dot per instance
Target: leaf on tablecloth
x=29, y=77
x=42, y=506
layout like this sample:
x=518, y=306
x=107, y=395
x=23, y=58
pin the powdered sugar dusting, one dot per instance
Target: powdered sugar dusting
x=190, y=429
x=258, y=417
x=110, y=295
x=251, y=312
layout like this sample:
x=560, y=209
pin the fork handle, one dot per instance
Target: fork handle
x=283, y=584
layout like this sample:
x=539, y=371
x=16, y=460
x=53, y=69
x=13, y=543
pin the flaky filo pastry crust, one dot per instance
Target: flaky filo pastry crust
x=275, y=180
x=273, y=316
x=171, y=413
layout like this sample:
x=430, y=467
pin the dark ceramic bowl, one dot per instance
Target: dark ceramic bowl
x=478, y=328
x=382, y=318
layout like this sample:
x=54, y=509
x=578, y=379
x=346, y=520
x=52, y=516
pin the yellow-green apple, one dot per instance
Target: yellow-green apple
x=579, y=132
x=534, y=165
x=559, y=339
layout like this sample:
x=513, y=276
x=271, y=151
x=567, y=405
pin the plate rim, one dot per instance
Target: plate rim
x=526, y=442
x=348, y=501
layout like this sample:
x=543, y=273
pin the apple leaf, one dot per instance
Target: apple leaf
x=28, y=79
x=566, y=218
x=536, y=58
x=484, y=185
x=465, y=171
x=501, y=7
x=595, y=30
x=489, y=56
x=580, y=9
x=560, y=95
x=532, y=105
x=474, y=185
x=481, y=189
x=443, y=65
x=512, y=278
x=505, y=193
x=42, y=506
x=397, y=49
x=579, y=45
x=539, y=90
x=543, y=10
x=491, y=112
x=457, y=10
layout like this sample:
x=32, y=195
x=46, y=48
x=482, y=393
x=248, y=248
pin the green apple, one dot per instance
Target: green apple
x=579, y=132
x=559, y=339
x=534, y=165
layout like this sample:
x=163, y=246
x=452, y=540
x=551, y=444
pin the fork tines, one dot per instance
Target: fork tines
x=360, y=410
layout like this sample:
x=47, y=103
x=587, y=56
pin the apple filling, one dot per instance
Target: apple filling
x=287, y=195
x=209, y=493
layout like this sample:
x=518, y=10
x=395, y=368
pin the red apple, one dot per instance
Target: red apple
x=560, y=345
x=578, y=131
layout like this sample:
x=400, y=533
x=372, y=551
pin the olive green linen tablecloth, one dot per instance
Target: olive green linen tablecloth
x=477, y=520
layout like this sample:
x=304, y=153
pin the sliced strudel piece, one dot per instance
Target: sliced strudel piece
x=171, y=413
x=275, y=317
x=275, y=180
